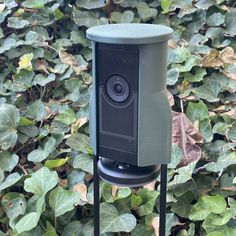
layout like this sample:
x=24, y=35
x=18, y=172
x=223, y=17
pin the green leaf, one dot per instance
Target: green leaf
x=67, y=117
x=73, y=228
x=41, y=181
x=91, y=4
x=14, y=204
x=87, y=18
x=230, y=22
x=184, y=173
x=209, y=90
x=205, y=129
x=35, y=3
x=216, y=204
x=122, y=192
x=27, y=222
x=42, y=80
x=172, y=76
x=25, y=121
x=176, y=156
x=10, y=180
x=55, y=163
x=79, y=142
x=124, y=17
x=216, y=19
x=231, y=134
x=148, y=201
x=17, y=23
x=83, y=162
x=222, y=162
x=9, y=119
x=25, y=62
x=197, y=76
x=206, y=205
x=197, y=111
x=8, y=161
x=37, y=155
x=165, y=5
x=50, y=230
x=36, y=111
x=62, y=201
x=181, y=54
x=112, y=221
x=145, y=12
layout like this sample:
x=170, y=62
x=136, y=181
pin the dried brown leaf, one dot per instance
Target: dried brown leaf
x=185, y=135
x=212, y=59
x=82, y=189
x=155, y=225
x=150, y=186
x=227, y=55
x=114, y=190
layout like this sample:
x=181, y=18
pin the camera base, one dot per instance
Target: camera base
x=119, y=173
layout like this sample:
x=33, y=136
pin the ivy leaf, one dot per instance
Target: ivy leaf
x=36, y=111
x=196, y=77
x=112, y=221
x=209, y=90
x=62, y=201
x=124, y=17
x=14, y=204
x=50, y=230
x=91, y=4
x=67, y=117
x=184, y=173
x=9, y=119
x=79, y=142
x=10, y=180
x=83, y=162
x=56, y=163
x=8, y=161
x=165, y=5
x=148, y=201
x=230, y=22
x=205, y=129
x=216, y=19
x=222, y=162
x=145, y=12
x=17, y=23
x=37, y=155
x=176, y=156
x=41, y=181
x=87, y=18
x=25, y=62
x=206, y=205
x=197, y=111
x=172, y=76
x=35, y=3
x=73, y=228
x=121, y=193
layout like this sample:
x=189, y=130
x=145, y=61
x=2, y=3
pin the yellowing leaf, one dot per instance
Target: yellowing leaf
x=56, y=163
x=25, y=62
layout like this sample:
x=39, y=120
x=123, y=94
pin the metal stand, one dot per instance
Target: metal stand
x=163, y=186
x=162, y=229
x=96, y=196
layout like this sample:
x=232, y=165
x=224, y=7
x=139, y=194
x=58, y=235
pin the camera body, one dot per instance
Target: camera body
x=130, y=116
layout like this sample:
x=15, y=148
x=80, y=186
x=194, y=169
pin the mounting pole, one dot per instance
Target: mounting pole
x=163, y=187
x=96, y=196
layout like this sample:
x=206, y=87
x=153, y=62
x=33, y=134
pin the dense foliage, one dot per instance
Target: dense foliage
x=45, y=160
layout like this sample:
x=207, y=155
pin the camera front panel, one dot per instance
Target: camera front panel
x=117, y=106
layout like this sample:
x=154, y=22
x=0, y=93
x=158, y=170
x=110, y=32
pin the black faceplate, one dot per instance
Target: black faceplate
x=118, y=121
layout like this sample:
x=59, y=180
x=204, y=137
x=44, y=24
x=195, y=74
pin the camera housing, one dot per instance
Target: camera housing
x=130, y=116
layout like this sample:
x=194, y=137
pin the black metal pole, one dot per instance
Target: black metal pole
x=163, y=187
x=96, y=197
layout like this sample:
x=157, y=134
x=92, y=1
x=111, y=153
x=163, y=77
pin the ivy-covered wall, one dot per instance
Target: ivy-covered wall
x=46, y=185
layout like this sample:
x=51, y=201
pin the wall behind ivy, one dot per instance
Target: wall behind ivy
x=46, y=185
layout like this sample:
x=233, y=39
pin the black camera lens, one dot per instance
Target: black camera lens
x=117, y=88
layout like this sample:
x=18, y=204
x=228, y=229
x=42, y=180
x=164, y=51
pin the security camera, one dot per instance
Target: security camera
x=130, y=117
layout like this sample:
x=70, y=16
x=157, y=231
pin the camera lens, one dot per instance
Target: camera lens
x=117, y=88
